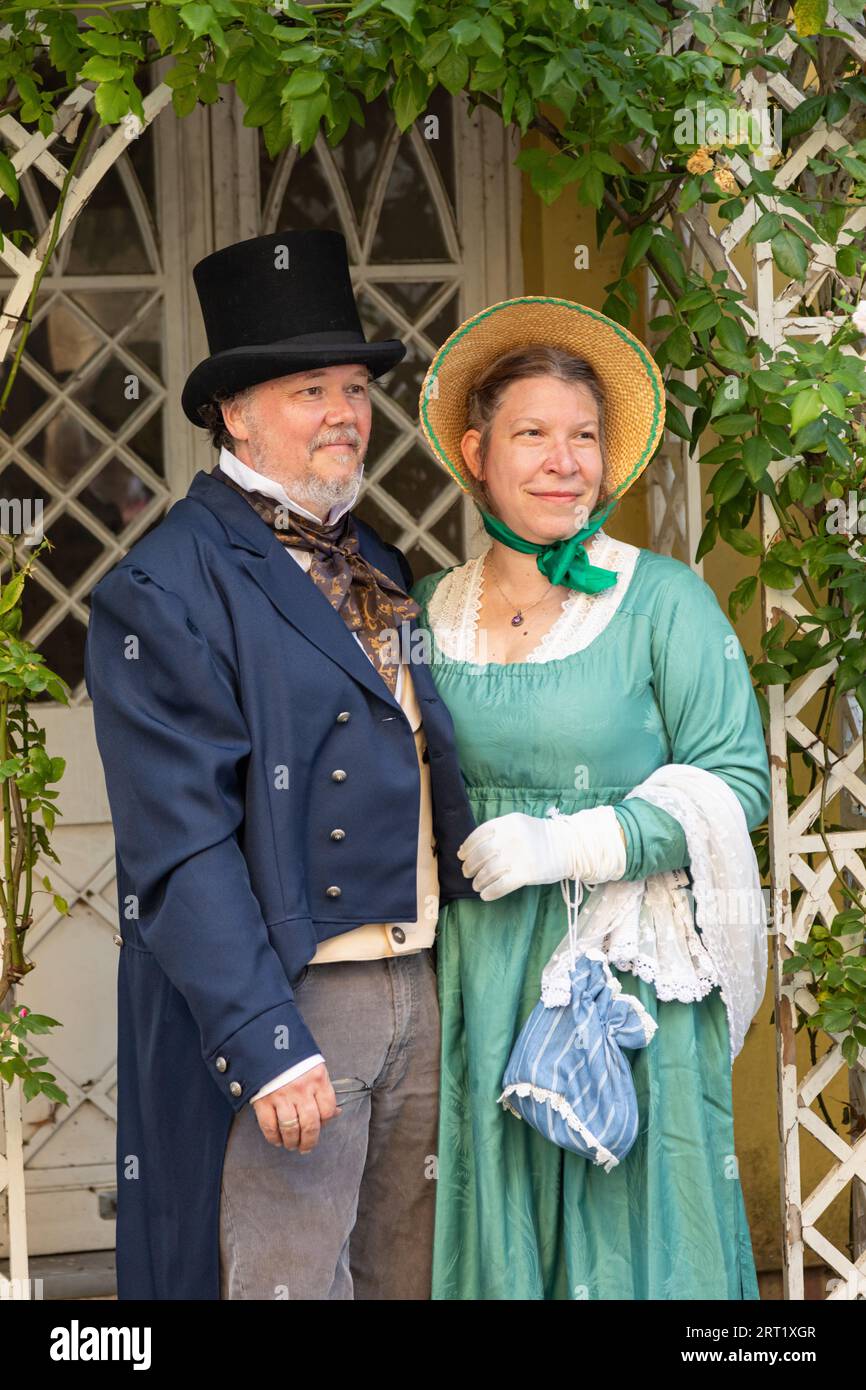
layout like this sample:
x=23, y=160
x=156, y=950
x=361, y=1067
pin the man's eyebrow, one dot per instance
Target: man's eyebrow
x=320, y=371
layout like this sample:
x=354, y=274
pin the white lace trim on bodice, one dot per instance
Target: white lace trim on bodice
x=454, y=606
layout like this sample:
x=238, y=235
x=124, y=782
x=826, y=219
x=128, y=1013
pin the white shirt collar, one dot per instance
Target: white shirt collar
x=253, y=481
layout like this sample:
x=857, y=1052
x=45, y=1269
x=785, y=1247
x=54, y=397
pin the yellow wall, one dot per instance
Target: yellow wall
x=549, y=236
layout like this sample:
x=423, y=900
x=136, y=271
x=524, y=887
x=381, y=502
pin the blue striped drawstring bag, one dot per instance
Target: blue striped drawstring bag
x=567, y=1075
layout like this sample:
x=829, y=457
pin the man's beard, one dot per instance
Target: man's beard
x=309, y=487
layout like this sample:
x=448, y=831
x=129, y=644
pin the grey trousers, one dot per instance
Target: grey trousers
x=353, y=1218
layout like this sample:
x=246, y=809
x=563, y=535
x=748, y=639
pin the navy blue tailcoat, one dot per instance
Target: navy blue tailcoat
x=217, y=672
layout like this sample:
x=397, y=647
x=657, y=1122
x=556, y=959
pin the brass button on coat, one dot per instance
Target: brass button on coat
x=343, y=717
x=236, y=1088
x=338, y=834
x=338, y=775
x=333, y=891
x=220, y=1063
x=117, y=939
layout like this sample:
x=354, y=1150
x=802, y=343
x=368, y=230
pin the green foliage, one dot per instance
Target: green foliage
x=17, y=1060
x=27, y=778
x=587, y=82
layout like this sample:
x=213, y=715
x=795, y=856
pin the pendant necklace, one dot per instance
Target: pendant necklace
x=518, y=619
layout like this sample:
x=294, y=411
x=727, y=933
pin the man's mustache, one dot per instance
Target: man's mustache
x=342, y=436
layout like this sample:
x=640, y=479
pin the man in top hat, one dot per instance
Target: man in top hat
x=287, y=807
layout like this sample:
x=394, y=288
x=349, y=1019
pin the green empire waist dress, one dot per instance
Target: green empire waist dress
x=645, y=674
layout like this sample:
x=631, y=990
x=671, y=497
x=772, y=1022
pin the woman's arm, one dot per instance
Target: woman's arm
x=708, y=705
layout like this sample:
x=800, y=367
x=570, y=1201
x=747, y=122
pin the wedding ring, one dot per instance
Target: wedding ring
x=287, y=1124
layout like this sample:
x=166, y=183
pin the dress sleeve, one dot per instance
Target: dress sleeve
x=705, y=695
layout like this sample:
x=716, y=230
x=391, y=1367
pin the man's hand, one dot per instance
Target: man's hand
x=292, y=1116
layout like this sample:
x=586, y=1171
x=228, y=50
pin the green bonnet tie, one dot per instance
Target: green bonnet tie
x=562, y=562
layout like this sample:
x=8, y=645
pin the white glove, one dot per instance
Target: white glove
x=513, y=851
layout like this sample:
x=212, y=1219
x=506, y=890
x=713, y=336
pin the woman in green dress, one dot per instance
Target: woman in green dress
x=574, y=666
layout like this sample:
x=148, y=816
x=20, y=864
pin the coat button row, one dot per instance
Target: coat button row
x=338, y=834
x=343, y=717
x=220, y=1063
x=333, y=891
x=338, y=775
x=236, y=1088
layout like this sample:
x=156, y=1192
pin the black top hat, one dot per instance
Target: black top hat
x=277, y=304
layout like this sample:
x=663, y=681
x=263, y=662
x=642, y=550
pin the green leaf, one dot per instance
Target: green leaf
x=790, y=254
x=111, y=101
x=183, y=101
x=306, y=113
x=768, y=225
x=705, y=317
x=303, y=82
x=776, y=575
x=11, y=592
x=637, y=246
x=768, y=380
x=9, y=180
x=726, y=483
x=675, y=421
x=199, y=18
x=734, y=424
x=437, y=46
x=683, y=393
x=669, y=257
x=756, y=456
x=163, y=24
x=464, y=32
x=677, y=347
x=765, y=673
x=833, y=399
x=742, y=541
x=742, y=595
x=847, y=260
x=99, y=69
x=453, y=71
x=731, y=335
x=403, y=9
x=690, y=194
x=491, y=33
x=409, y=97
x=805, y=407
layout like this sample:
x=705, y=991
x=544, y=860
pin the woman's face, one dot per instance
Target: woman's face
x=543, y=469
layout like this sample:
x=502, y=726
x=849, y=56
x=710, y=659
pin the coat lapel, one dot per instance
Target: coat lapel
x=289, y=589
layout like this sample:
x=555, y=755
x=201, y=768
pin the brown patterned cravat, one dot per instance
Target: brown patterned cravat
x=370, y=604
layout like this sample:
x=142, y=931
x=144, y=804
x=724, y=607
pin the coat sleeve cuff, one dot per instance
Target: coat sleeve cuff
x=275, y=1039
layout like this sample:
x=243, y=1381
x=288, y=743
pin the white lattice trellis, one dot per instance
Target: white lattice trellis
x=675, y=520
x=33, y=151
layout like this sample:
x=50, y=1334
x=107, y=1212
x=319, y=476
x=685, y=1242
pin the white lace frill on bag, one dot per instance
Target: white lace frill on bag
x=647, y=927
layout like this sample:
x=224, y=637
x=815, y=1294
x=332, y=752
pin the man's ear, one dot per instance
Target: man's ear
x=234, y=415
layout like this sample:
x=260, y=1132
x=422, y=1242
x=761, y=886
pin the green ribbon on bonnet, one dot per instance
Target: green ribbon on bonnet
x=562, y=562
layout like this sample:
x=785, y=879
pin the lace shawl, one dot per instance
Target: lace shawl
x=647, y=926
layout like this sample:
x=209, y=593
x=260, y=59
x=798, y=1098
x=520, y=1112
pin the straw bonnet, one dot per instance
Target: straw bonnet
x=633, y=387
